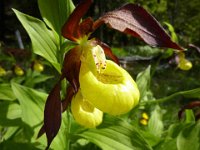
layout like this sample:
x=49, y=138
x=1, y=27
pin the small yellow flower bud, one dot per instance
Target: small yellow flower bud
x=185, y=64
x=2, y=71
x=38, y=66
x=145, y=116
x=18, y=71
x=143, y=122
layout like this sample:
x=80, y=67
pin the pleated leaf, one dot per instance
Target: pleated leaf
x=55, y=13
x=120, y=136
x=43, y=42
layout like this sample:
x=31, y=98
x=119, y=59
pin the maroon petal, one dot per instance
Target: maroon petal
x=65, y=103
x=85, y=27
x=41, y=132
x=134, y=20
x=52, y=114
x=68, y=98
x=69, y=29
x=71, y=67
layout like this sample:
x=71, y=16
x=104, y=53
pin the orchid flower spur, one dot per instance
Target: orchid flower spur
x=98, y=85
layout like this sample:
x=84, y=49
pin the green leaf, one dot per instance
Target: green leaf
x=189, y=138
x=155, y=124
x=195, y=93
x=175, y=129
x=43, y=42
x=166, y=145
x=55, y=13
x=10, y=145
x=143, y=81
x=150, y=138
x=172, y=32
x=6, y=92
x=10, y=132
x=10, y=114
x=189, y=116
x=31, y=102
x=35, y=78
x=116, y=136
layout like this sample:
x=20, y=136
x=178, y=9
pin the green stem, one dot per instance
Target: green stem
x=68, y=128
x=171, y=97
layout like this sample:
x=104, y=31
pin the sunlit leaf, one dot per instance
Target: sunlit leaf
x=143, y=81
x=10, y=132
x=155, y=124
x=10, y=114
x=134, y=20
x=31, y=103
x=189, y=116
x=9, y=145
x=43, y=42
x=55, y=13
x=118, y=135
x=194, y=93
x=189, y=138
x=6, y=92
x=172, y=32
x=166, y=145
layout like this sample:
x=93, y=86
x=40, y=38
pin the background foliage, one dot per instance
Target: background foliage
x=164, y=88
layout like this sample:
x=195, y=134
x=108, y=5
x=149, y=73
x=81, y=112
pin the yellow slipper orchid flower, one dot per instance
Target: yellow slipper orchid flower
x=109, y=88
x=184, y=64
x=84, y=112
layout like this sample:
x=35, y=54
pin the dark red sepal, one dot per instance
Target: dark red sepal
x=69, y=30
x=52, y=114
x=134, y=20
x=70, y=93
x=71, y=67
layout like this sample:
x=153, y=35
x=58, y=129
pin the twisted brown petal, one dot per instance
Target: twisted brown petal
x=134, y=20
x=71, y=67
x=68, y=98
x=69, y=30
x=52, y=114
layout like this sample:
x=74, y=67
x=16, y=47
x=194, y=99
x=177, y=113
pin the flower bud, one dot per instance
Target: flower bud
x=2, y=71
x=143, y=122
x=37, y=66
x=18, y=71
x=185, y=64
x=84, y=112
x=145, y=116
